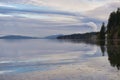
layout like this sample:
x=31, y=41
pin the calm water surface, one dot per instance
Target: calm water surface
x=26, y=56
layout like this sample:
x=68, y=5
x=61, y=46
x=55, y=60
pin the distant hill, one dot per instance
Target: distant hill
x=17, y=37
x=52, y=36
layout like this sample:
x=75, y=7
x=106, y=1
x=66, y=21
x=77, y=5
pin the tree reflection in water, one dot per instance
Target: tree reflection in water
x=112, y=48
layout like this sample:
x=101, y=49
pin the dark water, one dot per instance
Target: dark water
x=20, y=56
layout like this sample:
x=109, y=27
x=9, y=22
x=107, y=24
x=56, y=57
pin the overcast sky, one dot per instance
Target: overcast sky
x=49, y=17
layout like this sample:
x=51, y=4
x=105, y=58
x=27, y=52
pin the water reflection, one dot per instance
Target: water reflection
x=17, y=56
x=103, y=49
x=112, y=48
x=85, y=41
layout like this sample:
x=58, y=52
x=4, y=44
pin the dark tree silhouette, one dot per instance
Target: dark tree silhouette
x=102, y=32
x=113, y=26
x=113, y=50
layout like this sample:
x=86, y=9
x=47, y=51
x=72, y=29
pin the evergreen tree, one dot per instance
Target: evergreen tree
x=102, y=32
x=113, y=26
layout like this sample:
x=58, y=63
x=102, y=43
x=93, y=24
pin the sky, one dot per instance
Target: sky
x=50, y=17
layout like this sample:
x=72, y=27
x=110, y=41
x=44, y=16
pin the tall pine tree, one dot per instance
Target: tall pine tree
x=102, y=32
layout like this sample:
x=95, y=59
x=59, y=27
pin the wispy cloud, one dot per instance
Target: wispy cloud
x=103, y=12
x=36, y=17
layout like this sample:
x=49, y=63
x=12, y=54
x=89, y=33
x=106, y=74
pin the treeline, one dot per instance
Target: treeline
x=79, y=36
x=112, y=30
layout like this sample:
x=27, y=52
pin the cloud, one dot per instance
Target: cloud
x=6, y=5
x=96, y=9
x=53, y=15
x=102, y=12
x=14, y=1
x=71, y=6
x=47, y=17
x=34, y=27
x=88, y=26
x=93, y=25
x=8, y=10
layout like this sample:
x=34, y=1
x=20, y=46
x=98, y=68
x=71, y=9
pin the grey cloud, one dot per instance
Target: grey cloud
x=26, y=26
x=34, y=27
x=8, y=10
x=17, y=25
x=102, y=12
x=14, y=1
